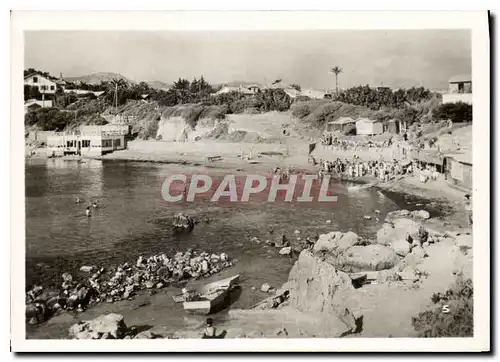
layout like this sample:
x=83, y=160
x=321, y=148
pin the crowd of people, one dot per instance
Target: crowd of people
x=328, y=139
x=383, y=170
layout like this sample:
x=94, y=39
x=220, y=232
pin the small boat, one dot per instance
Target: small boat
x=210, y=296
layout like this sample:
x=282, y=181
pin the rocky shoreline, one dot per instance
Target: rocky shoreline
x=122, y=282
x=325, y=287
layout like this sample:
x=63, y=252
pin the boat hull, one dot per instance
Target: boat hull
x=204, y=307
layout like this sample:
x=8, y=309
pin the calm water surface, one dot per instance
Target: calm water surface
x=133, y=219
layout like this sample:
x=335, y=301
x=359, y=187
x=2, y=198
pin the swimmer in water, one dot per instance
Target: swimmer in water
x=77, y=200
x=94, y=204
x=87, y=212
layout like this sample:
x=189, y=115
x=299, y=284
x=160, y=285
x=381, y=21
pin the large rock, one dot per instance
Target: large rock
x=183, y=221
x=420, y=214
x=286, y=251
x=335, y=242
x=398, y=214
x=400, y=234
x=110, y=323
x=363, y=258
x=316, y=286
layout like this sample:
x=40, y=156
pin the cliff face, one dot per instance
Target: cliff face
x=173, y=129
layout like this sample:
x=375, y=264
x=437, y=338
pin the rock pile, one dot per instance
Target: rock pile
x=183, y=221
x=122, y=282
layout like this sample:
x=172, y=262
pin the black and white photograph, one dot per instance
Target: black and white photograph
x=299, y=180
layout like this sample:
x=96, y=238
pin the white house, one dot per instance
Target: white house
x=365, y=126
x=44, y=84
x=459, y=90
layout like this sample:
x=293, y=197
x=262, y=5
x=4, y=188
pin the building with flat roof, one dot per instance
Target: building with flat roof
x=459, y=89
x=86, y=143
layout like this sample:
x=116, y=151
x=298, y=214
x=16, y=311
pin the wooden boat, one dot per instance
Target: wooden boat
x=211, y=296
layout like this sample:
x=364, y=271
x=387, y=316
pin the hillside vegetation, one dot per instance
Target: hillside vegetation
x=195, y=100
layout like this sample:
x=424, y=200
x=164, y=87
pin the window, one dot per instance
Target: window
x=35, y=79
x=43, y=87
x=107, y=143
x=52, y=87
x=85, y=143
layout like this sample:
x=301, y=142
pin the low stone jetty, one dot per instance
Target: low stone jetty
x=121, y=282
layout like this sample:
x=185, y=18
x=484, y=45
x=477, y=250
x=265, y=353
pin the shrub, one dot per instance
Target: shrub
x=301, y=110
x=457, y=322
x=457, y=112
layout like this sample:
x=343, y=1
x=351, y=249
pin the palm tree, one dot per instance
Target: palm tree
x=336, y=70
x=116, y=84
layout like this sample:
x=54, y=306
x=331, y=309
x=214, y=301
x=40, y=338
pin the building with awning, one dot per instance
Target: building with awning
x=429, y=157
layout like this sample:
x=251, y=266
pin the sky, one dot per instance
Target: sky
x=395, y=58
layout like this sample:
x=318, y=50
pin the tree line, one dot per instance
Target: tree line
x=377, y=98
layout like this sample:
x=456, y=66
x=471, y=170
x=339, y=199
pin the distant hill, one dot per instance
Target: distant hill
x=97, y=78
x=158, y=84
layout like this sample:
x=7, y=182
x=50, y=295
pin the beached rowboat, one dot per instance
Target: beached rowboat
x=210, y=296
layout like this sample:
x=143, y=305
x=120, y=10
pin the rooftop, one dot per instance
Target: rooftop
x=342, y=120
x=460, y=78
x=367, y=120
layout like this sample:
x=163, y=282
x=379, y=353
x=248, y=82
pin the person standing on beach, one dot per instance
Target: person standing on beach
x=88, y=212
x=468, y=209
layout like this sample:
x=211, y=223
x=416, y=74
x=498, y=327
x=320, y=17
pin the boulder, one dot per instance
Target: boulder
x=401, y=246
x=144, y=335
x=400, y=234
x=398, y=214
x=316, y=286
x=286, y=251
x=67, y=278
x=336, y=242
x=370, y=257
x=183, y=221
x=87, y=268
x=265, y=287
x=111, y=323
x=420, y=214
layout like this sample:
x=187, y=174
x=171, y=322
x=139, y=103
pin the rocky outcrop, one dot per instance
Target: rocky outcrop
x=110, y=326
x=316, y=286
x=183, y=221
x=363, y=258
x=336, y=242
x=401, y=234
